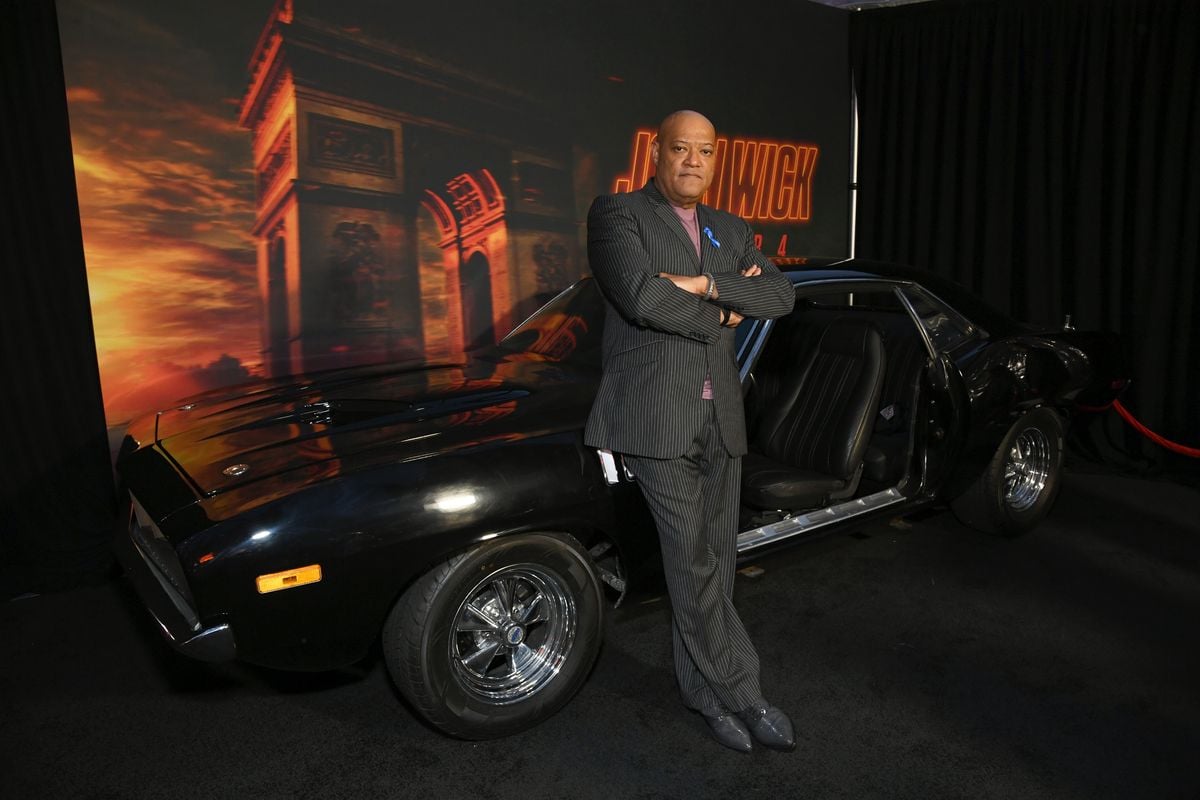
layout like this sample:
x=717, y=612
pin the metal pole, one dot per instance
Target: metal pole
x=853, y=164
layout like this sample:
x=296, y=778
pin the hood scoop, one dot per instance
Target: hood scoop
x=298, y=433
x=318, y=418
x=330, y=413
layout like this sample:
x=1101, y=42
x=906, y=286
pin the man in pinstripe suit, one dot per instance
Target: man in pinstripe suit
x=679, y=277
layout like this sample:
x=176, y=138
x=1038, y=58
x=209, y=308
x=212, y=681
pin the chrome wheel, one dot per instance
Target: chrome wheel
x=512, y=634
x=497, y=638
x=1018, y=487
x=1026, y=469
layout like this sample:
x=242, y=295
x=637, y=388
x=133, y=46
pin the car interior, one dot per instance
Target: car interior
x=830, y=405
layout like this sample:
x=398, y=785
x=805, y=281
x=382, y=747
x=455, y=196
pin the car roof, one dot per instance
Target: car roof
x=810, y=270
x=803, y=271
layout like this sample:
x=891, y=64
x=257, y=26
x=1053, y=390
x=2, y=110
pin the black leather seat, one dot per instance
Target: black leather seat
x=815, y=417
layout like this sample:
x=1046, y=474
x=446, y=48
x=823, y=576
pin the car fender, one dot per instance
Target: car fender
x=373, y=533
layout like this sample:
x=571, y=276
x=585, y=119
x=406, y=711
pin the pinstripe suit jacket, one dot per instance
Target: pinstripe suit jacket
x=659, y=341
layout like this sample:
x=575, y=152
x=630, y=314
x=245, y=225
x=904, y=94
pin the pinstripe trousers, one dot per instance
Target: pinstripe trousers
x=694, y=500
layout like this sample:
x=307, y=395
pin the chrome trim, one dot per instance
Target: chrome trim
x=916, y=319
x=140, y=518
x=1026, y=469
x=755, y=341
x=211, y=644
x=511, y=634
x=817, y=518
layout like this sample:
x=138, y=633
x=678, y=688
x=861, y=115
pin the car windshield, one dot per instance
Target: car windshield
x=945, y=327
x=568, y=328
x=969, y=305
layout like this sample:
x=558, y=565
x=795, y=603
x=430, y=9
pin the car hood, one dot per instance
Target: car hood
x=325, y=424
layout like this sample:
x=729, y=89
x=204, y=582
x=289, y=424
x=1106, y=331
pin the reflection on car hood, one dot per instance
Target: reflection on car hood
x=223, y=440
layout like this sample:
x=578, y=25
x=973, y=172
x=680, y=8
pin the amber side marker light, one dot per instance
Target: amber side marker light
x=288, y=579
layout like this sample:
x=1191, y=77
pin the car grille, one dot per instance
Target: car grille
x=158, y=552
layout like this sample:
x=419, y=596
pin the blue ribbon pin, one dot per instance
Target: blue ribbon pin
x=708, y=232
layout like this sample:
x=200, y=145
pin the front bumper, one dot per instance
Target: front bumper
x=152, y=567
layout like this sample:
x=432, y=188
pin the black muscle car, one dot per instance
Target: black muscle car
x=453, y=512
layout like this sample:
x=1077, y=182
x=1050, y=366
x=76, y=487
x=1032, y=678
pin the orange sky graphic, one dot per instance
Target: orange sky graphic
x=166, y=203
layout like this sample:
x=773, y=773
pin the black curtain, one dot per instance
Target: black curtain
x=57, y=501
x=1046, y=154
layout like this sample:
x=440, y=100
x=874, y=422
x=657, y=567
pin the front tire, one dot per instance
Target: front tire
x=1021, y=482
x=497, y=639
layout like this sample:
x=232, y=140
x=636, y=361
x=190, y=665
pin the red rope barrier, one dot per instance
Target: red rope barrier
x=1161, y=441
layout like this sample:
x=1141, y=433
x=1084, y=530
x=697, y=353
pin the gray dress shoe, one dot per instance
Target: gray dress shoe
x=770, y=726
x=730, y=731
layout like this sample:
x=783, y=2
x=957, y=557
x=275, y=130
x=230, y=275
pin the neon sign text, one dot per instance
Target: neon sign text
x=757, y=179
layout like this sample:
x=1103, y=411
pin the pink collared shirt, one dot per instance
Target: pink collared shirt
x=691, y=224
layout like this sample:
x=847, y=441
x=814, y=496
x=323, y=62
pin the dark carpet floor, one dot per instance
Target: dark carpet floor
x=918, y=659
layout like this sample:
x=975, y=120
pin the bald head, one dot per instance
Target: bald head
x=684, y=117
x=684, y=153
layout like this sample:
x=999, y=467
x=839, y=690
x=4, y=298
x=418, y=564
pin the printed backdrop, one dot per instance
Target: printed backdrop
x=273, y=188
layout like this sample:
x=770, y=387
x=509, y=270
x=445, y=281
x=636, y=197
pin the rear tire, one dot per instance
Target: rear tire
x=497, y=639
x=1021, y=482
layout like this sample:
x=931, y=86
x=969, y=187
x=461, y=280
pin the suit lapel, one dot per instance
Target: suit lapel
x=707, y=238
x=663, y=209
